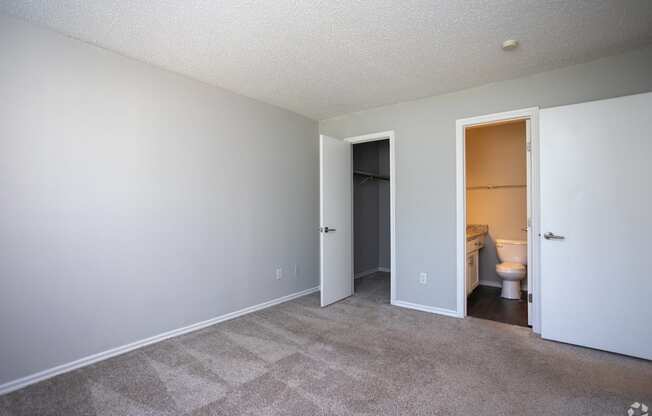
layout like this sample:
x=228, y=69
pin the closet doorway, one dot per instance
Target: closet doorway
x=357, y=217
x=371, y=225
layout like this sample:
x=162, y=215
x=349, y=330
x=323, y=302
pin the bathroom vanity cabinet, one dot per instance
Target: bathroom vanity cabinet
x=473, y=247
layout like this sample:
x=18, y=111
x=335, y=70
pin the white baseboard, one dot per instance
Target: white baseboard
x=490, y=283
x=365, y=273
x=91, y=359
x=424, y=308
x=371, y=271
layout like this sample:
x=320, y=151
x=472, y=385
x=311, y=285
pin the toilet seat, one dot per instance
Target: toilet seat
x=510, y=267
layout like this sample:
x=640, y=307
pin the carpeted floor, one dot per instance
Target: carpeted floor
x=360, y=356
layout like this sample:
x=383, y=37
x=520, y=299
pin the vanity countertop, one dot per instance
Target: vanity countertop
x=476, y=230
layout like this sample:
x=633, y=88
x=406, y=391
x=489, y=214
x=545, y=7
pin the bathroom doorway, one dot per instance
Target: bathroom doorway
x=497, y=262
x=496, y=218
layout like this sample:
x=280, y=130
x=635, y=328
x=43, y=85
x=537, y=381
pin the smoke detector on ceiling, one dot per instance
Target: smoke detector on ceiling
x=510, y=44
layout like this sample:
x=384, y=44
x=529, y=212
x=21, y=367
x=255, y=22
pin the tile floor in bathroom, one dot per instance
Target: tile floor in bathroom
x=485, y=303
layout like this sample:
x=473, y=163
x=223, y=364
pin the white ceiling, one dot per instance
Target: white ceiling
x=323, y=58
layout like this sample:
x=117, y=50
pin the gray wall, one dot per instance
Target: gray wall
x=425, y=156
x=384, y=231
x=365, y=209
x=136, y=201
x=371, y=207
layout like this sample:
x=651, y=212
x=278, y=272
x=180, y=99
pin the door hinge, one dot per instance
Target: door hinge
x=529, y=297
x=529, y=222
x=529, y=146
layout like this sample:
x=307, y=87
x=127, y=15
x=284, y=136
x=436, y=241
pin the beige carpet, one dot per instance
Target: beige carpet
x=358, y=357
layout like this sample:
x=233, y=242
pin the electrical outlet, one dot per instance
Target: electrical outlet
x=296, y=271
x=423, y=278
x=279, y=273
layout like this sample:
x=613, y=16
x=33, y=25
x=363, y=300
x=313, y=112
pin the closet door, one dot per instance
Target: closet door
x=596, y=281
x=335, y=212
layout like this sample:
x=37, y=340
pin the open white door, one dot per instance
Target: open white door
x=335, y=219
x=596, y=281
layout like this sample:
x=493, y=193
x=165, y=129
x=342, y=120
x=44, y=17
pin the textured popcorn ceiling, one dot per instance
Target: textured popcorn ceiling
x=325, y=58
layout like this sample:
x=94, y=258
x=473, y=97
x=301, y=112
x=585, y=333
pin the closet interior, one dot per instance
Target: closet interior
x=371, y=218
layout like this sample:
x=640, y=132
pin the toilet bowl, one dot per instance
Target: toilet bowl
x=512, y=269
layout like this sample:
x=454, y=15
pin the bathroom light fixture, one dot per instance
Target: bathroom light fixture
x=510, y=44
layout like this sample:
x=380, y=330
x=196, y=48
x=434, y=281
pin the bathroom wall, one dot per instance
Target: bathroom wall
x=496, y=155
x=371, y=207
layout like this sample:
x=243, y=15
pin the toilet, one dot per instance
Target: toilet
x=512, y=269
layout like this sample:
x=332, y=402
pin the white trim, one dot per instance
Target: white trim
x=528, y=278
x=321, y=215
x=91, y=359
x=493, y=283
x=365, y=273
x=424, y=308
x=490, y=283
x=371, y=271
x=534, y=263
x=386, y=135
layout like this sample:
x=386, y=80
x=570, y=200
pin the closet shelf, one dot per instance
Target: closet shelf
x=371, y=175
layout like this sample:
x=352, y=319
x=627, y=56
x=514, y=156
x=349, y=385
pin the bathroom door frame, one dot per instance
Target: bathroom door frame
x=532, y=146
x=372, y=137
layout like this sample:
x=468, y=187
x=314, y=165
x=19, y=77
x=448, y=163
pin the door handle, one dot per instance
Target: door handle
x=326, y=230
x=552, y=236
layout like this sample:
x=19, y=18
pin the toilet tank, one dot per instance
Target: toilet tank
x=512, y=251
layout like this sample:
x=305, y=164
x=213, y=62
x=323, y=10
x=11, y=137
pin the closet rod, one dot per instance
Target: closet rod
x=494, y=187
